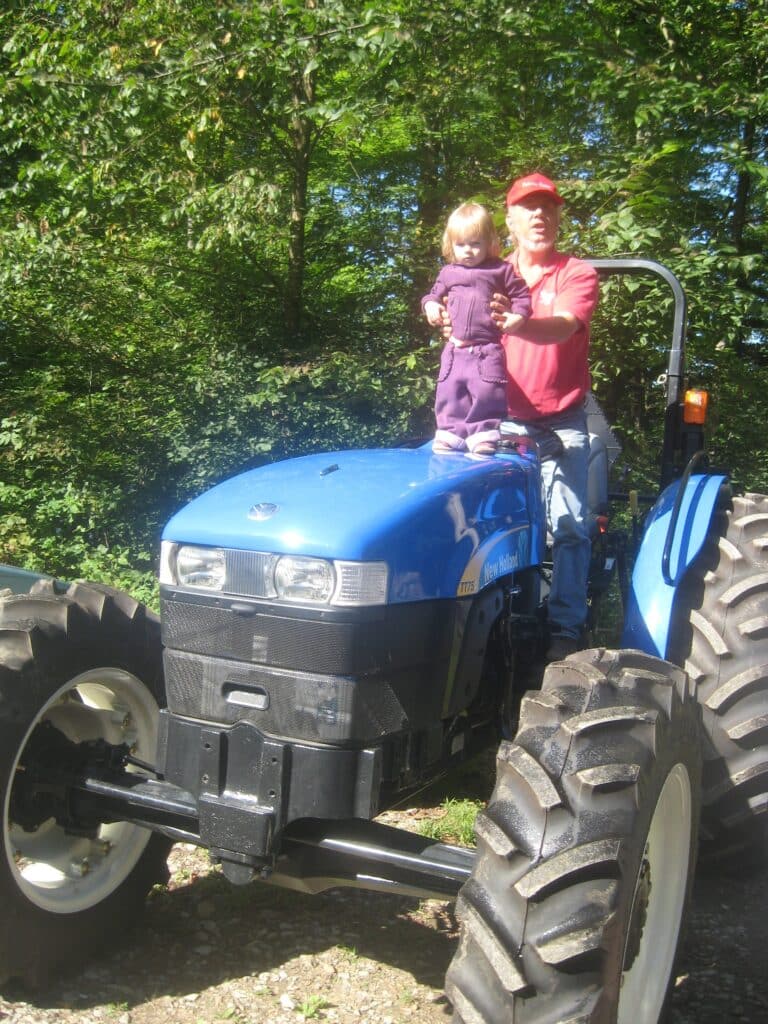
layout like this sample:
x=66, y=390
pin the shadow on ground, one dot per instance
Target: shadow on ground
x=205, y=932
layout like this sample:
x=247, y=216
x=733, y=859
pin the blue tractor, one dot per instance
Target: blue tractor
x=339, y=629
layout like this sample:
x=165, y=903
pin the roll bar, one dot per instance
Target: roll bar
x=676, y=364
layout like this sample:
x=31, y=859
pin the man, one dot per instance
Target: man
x=548, y=382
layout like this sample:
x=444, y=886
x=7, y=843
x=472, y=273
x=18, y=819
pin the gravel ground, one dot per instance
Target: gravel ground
x=724, y=970
x=208, y=952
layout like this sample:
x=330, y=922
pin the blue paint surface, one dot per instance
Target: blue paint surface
x=649, y=612
x=446, y=525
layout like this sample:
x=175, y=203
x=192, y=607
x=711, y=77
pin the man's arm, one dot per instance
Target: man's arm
x=576, y=300
x=546, y=330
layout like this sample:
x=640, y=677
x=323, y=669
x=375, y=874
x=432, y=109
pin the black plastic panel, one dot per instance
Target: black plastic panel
x=327, y=641
x=248, y=787
x=314, y=678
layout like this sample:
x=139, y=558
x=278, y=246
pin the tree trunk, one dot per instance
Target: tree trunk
x=301, y=137
x=741, y=214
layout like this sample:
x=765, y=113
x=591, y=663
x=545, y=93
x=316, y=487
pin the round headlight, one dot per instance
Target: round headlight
x=304, y=579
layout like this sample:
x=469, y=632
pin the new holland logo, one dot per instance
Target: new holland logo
x=264, y=510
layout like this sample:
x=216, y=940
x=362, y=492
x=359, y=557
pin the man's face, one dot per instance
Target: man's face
x=534, y=222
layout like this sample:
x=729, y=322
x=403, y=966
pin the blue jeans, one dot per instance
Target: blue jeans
x=563, y=444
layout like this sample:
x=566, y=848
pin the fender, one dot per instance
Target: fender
x=662, y=561
x=19, y=581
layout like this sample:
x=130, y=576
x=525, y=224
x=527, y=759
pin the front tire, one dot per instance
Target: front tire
x=586, y=851
x=74, y=667
x=721, y=638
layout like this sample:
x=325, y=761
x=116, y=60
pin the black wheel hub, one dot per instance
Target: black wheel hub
x=49, y=764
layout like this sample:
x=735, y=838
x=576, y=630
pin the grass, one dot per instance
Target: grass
x=349, y=952
x=311, y=1008
x=454, y=823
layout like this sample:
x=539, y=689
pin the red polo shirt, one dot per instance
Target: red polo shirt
x=546, y=379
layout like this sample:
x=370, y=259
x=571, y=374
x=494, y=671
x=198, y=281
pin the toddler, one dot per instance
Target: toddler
x=471, y=394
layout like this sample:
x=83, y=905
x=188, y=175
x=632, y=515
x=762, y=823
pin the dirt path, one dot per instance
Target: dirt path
x=724, y=975
x=208, y=953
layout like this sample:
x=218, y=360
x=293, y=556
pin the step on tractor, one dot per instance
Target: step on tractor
x=339, y=629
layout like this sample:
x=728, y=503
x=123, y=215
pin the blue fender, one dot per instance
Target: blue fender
x=649, y=609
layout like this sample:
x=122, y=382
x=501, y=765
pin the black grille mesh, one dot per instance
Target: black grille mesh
x=348, y=679
x=337, y=647
x=303, y=705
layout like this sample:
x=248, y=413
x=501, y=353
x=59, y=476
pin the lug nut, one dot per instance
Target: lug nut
x=120, y=716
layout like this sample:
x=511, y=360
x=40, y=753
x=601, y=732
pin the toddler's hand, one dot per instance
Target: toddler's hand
x=508, y=321
x=434, y=313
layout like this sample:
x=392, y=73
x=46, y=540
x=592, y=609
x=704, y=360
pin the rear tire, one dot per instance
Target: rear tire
x=586, y=851
x=721, y=638
x=87, y=663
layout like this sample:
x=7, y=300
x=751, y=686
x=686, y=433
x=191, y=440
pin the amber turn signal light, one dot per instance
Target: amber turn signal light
x=695, y=406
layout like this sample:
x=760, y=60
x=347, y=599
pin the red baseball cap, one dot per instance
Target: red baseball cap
x=531, y=184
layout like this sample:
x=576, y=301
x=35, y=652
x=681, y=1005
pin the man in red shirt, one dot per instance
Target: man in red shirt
x=548, y=382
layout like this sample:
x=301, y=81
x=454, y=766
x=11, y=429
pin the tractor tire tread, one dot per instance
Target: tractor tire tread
x=540, y=914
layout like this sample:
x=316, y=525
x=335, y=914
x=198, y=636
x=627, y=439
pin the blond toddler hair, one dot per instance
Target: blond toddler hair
x=470, y=220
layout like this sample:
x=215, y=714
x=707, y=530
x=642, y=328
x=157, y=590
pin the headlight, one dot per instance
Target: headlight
x=202, y=568
x=304, y=579
x=294, y=578
x=361, y=583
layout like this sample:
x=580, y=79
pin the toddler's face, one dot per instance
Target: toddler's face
x=469, y=252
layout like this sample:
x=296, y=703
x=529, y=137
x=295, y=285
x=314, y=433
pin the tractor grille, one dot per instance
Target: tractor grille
x=349, y=677
x=353, y=645
x=307, y=706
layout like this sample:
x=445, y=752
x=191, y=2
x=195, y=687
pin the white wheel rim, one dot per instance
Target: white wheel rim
x=65, y=874
x=666, y=857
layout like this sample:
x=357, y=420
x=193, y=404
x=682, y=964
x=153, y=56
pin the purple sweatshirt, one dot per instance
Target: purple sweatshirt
x=468, y=292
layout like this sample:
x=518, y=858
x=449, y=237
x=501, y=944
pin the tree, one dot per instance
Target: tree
x=216, y=222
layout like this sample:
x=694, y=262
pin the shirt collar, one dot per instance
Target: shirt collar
x=546, y=268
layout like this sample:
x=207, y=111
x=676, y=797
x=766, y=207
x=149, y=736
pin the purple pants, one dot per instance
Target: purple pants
x=471, y=397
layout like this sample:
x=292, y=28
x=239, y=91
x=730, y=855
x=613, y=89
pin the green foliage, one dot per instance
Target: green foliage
x=312, y=1006
x=216, y=221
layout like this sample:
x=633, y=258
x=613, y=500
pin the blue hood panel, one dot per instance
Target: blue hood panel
x=445, y=525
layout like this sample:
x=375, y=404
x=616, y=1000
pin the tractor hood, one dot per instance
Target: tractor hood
x=444, y=524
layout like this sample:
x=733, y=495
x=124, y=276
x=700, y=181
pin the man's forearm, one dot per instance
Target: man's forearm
x=548, y=330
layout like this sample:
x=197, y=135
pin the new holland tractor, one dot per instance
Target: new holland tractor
x=341, y=628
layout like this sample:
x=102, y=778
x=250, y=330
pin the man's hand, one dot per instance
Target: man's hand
x=500, y=310
x=502, y=316
x=541, y=330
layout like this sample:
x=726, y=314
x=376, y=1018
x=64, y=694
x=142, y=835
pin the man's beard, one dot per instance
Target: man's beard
x=539, y=245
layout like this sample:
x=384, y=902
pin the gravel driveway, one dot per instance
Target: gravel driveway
x=724, y=973
x=208, y=953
